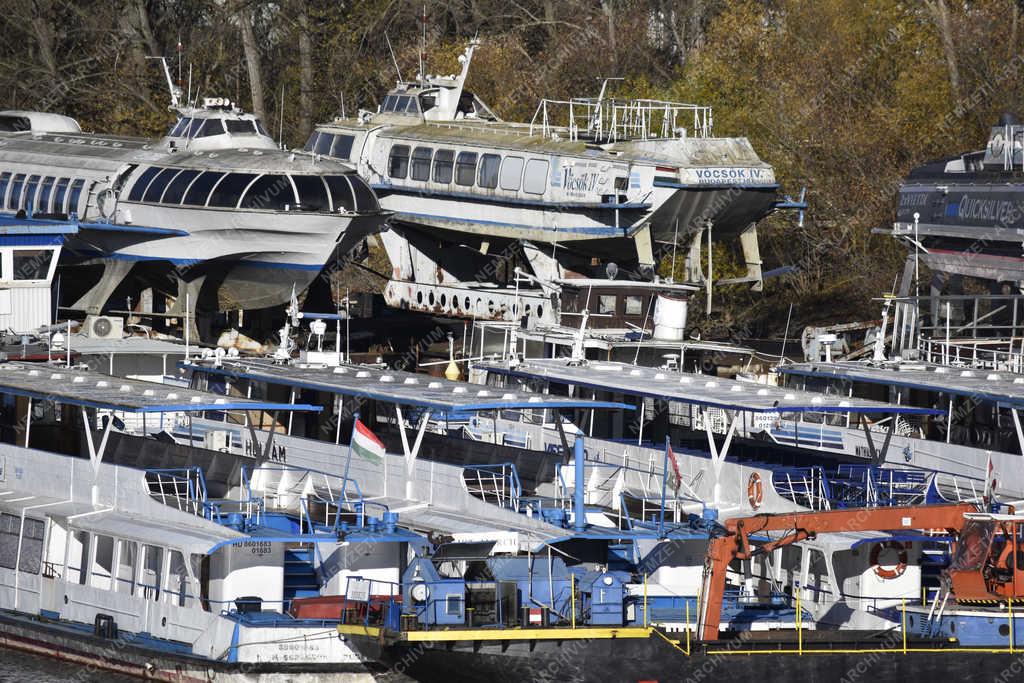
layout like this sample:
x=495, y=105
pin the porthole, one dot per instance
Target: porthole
x=419, y=298
x=430, y=298
x=1004, y=630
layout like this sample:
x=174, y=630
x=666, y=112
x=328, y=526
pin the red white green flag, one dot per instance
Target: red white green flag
x=366, y=444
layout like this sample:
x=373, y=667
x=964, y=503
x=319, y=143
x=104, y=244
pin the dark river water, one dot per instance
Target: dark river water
x=18, y=666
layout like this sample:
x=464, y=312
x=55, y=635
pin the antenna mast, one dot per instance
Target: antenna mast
x=423, y=44
x=174, y=90
x=393, y=60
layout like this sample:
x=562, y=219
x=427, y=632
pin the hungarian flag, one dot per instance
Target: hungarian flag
x=675, y=479
x=366, y=444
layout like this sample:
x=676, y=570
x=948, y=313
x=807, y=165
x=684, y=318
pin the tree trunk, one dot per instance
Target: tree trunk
x=305, y=73
x=609, y=10
x=940, y=14
x=252, y=62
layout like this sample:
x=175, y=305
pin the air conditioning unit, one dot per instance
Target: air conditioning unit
x=217, y=440
x=104, y=327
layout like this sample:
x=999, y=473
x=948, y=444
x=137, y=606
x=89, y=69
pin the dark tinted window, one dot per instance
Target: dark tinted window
x=76, y=192
x=311, y=142
x=312, y=193
x=465, y=168
x=200, y=189
x=16, y=185
x=444, y=162
x=342, y=146
x=139, y=188
x=270, y=192
x=240, y=126
x=176, y=190
x=428, y=100
x=229, y=190
x=366, y=200
x=159, y=184
x=59, y=193
x=32, y=264
x=401, y=103
x=398, y=162
x=45, y=189
x=260, y=129
x=211, y=127
x=180, y=126
x=194, y=127
x=323, y=144
x=420, y=168
x=487, y=176
x=5, y=180
x=29, y=203
x=341, y=193
x=389, y=103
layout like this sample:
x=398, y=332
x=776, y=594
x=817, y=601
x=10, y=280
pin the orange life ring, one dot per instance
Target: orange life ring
x=755, y=491
x=901, y=562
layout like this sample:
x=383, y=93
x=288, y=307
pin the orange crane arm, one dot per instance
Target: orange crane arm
x=802, y=525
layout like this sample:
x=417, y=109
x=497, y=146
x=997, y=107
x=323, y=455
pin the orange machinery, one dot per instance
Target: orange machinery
x=988, y=555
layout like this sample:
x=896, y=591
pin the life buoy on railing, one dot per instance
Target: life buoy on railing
x=755, y=491
x=901, y=561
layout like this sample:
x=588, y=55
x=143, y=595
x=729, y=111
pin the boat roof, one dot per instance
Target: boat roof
x=981, y=385
x=190, y=533
x=398, y=387
x=686, y=387
x=83, y=387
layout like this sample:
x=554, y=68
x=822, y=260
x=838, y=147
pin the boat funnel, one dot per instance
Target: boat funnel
x=670, y=318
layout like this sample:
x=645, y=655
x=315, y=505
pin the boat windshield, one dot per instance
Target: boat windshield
x=973, y=545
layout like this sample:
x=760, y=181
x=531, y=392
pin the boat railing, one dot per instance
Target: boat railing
x=857, y=485
x=181, y=487
x=372, y=602
x=497, y=484
x=614, y=120
x=808, y=487
x=972, y=355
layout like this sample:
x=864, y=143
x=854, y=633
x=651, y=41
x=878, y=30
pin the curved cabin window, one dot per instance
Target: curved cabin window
x=366, y=200
x=159, y=184
x=311, y=142
x=342, y=146
x=312, y=193
x=487, y=175
x=465, y=169
x=240, y=127
x=428, y=100
x=511, y=173
x=444, y=163
x=535, y=180
x=30, y=194
x=176, y=190
x=179, y=128
x=323, y=145
x=5, y=180
x=59, y=193
x=269, y=193
x=200, y=189
x=45, y=190
x=402, y=103
x=420, y=167
x=75, y=194
x=229, y=190
x=259, y=127
x=398, y=162
x=389, y=103
x=14, y=200
x=139, y=188
x=341, y=193
x=194, y=127
x=211, y=127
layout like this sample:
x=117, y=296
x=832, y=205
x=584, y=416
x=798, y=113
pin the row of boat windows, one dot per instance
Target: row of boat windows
x=40, y=194
x=200, y=128
x=269, y=191
x=330, y=145
x=140, y=570
x=488, y=171
x=409, y=104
